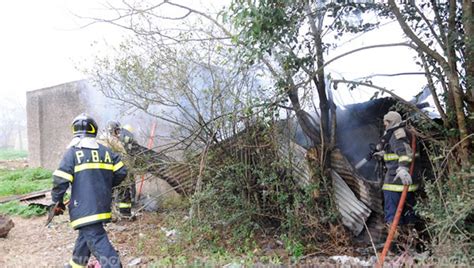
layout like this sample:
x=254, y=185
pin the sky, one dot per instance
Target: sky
x=43, y=43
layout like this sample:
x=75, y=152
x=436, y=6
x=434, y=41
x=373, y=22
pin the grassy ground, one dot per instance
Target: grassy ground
x=169, y=238
x=10, y=154
x=15, y=208
x=23, y=181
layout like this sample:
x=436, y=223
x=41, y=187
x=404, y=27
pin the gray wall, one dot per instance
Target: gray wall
x=50, y=112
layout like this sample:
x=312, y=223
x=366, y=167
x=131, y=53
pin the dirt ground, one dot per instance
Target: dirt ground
x=31, y=244
x=13, y=164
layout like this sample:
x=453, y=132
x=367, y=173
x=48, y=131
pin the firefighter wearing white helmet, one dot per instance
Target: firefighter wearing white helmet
x=397, y=155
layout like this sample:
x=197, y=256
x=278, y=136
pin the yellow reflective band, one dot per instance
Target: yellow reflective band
x=93, y=129
x=62, y=174
x=398, y=187
x=75, y=265
x=404, y=158
x=390, y=157
x=124, y=205
x=92, y=218
x=82, y=167
x=118, y=166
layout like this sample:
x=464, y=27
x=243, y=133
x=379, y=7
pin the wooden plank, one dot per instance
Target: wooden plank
x=23, y=197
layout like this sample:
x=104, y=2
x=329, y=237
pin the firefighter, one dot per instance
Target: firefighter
x=119, y=140
x=127, y=137
x=397, y=155
x=92, y=170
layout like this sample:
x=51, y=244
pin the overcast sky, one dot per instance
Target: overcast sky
x=43, y=43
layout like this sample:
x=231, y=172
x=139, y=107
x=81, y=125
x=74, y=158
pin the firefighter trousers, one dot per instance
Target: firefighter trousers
x=93, y=239
x=125, y=198
x=391, y=200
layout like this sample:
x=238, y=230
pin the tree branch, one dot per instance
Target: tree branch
x=395, y=96
x=409, y=32
x=351, y=52
x=433, y=92
x=429, y=24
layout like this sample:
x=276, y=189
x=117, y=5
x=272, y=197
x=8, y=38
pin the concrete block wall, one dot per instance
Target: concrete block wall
x=50, y=112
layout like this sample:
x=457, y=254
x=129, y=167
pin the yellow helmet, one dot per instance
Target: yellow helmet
x=128, y=127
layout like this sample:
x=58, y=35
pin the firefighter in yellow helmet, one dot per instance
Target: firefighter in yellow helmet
x=120, y=140
x=127, y=137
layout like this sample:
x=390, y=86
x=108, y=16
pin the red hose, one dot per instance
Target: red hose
x=401, y=203
x=150, y=145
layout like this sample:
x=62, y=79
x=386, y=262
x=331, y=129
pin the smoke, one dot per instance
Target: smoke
x=104, y=109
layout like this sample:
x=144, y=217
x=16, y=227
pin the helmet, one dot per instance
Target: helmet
x=128, y=127
x=392, y=119
x=113, y=127
x=84, y=126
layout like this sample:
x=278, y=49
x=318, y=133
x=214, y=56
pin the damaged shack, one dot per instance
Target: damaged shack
x=258, y=153
x=255, y=163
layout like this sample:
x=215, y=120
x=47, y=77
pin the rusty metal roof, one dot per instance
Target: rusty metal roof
x=356, y=197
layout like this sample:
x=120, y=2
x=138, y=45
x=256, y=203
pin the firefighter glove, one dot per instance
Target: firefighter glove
x=405, y=177
x=379, y=154
x=58, y=208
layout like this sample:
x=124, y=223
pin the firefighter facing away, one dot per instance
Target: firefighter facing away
x=397, y=155
x=91, y=170
x=119, y=139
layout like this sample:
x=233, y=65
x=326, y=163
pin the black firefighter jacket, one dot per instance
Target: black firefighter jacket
x=397, y=153
x=91, y=173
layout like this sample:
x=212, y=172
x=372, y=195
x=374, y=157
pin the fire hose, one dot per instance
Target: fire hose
x=401, y=203
x=149, y=145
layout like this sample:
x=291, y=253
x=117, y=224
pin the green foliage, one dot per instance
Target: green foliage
x=265, y=24
x=17, y=209
x=24, y=181
x=447, y=206
x=10, y=154
x=449, y=212
x=293, y=247
x=249, y=189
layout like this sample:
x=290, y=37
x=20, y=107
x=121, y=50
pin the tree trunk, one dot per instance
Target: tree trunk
x=318, y=80
x=454, y=85
x=468, y=23
x=303, y=118
x=432, y=89
x=449, y=68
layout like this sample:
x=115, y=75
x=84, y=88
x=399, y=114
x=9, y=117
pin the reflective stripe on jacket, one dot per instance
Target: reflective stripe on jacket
x=397, y=153
x=398, y=188
x=91, y=173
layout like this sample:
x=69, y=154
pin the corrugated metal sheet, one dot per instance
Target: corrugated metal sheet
x=367, y=191
x=354, y=213
x=179, y=175
x=296, y=156
x=358, y=199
